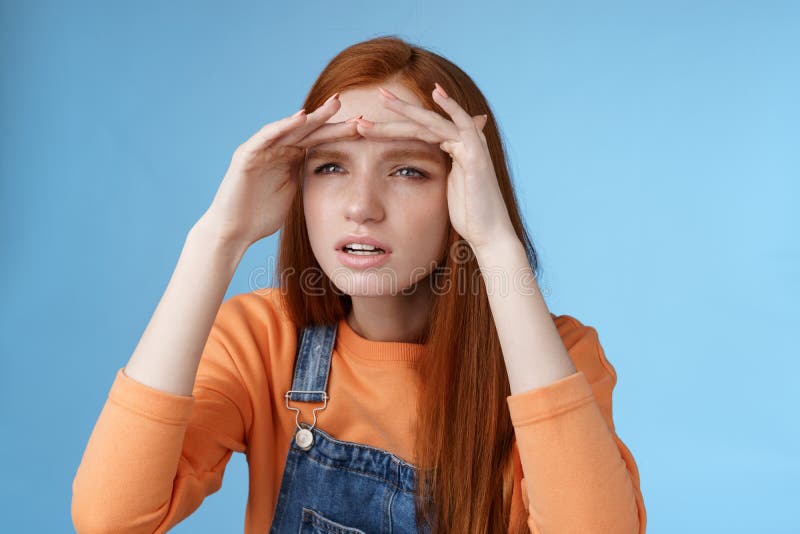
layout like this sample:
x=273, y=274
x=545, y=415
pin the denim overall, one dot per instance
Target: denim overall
x=331, y=486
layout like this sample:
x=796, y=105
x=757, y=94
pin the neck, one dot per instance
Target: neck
x=401, y=318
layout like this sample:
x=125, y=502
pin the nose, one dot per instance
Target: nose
x=363, y=200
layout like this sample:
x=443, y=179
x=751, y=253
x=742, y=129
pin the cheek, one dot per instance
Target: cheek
x=436, y=204
x=314, y=211
x=315, y=193
x=440, y=220
x=428, y=202
x=428, y=221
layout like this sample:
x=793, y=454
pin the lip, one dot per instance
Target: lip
x=362, y=262
x=365, y=239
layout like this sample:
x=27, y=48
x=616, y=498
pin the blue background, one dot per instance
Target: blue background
x=655, y=151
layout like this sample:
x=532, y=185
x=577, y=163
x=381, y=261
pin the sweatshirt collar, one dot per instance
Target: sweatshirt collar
x=362, y=348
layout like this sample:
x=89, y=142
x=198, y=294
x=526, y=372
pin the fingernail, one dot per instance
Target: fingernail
x=299, y=113
x=441, y=91
x=353, y=119
x=485, y=117
x=365, y=122
x=332, y=97
x=387, y=94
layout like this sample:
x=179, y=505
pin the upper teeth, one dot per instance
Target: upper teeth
x=361, y=246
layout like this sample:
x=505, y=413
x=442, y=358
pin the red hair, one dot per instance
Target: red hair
x=464, y=434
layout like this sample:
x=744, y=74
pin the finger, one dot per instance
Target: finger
x=430, y=119
x=314, y=120
x=397, y=130
x=461, y=118
x=330, y=132
x=463, y=121
x=272, y=131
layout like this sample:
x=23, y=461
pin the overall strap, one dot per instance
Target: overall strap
x=313, y=363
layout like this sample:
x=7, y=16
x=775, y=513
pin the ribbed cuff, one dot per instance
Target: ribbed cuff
x=548, y=401
x=150, y=402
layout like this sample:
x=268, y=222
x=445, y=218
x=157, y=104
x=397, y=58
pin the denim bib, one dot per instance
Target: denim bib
x=333, y=486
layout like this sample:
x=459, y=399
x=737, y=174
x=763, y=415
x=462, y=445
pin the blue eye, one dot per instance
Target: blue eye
x=419, y=174
x=318, y=170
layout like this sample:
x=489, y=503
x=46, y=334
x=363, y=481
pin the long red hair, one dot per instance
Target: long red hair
x=464, y=434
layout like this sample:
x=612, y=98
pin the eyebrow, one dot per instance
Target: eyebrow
x=397, y=153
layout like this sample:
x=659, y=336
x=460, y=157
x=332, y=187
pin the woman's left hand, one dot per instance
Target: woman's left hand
x=477, y=209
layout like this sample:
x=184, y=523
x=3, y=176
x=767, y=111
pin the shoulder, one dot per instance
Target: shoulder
x=583, y=344
x=259, y=306
x=255, y=315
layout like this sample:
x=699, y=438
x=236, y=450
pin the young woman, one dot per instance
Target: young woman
x=404, y=375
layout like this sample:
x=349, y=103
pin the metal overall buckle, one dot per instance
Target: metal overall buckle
x=303, y=436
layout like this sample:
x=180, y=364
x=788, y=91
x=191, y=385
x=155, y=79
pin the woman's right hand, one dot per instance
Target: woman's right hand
x=258, y=189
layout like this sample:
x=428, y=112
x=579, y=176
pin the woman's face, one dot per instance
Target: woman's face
x=393, y=191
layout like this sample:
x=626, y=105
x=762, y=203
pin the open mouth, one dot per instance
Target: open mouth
x=362, y=250
x=362, y=256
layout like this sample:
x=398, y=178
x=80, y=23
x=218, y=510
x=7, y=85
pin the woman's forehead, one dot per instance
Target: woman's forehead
x=367, y=101
x=376, y=146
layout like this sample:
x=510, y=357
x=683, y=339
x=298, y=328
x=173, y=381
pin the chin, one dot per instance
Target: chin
x=379, y=284
x=376, y=283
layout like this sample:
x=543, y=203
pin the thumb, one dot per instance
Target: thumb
x=480, y=121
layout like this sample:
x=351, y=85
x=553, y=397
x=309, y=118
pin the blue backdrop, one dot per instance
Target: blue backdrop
x=655, y=152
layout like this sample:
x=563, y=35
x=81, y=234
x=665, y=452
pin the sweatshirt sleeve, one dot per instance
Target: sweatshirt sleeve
x=578, y=475
x=154, y=456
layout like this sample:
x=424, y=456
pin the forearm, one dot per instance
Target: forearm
x=566, y=448
x=168, y=353
x=534, y=354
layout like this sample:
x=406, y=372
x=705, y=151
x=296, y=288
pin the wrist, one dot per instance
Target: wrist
x=207, y=235
x=498, y=247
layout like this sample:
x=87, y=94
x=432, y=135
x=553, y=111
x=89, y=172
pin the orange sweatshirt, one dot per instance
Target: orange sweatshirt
x=154, y=456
